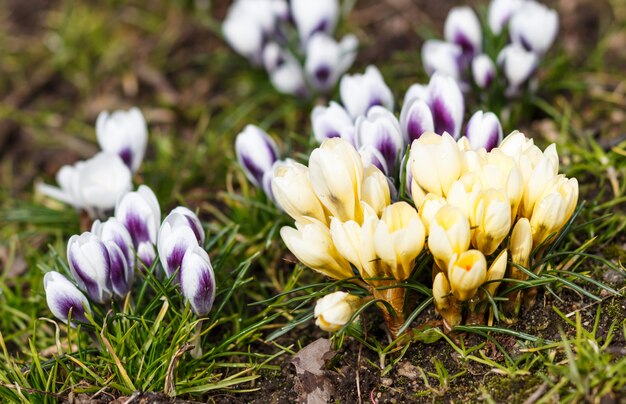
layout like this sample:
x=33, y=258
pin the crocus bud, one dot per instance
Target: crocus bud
x=197, y=280
x=146, y=254
x=464, y=193
x=375, y=191
x=435, y=162
x=447, y=104
x=554, y=208
x=287, y=76
x=463, y=28
x=496, y=272
x=360, y=92
x=521, y=243
x=334, y=310
x=483, y=71
x=492, y=215
x=175, y=238
x=500, y=12
x=113, y=230
x=381, y=129
x=294, y=193
x=416, y=91
x=449, y=234
x=314, y=16
x=534, y=26
x=331, y=121
x=466, y=273
x=518, y=65
x=536, y=182
x=311, y=243
x=246, y=25
x=415, y=119
x=327, y=59
x=89, y=262
x=122, y=275
x=445, y=302
x=256, y=153
x=93, y=185
x=192, y=221
x=124, y=133
x=140, y=213
x=355, y=242
x=429, y=207
x=336, y=173
x=62, y=297
x=484, y=130
x=399, y=239
x=371, y=156
x=443, y=57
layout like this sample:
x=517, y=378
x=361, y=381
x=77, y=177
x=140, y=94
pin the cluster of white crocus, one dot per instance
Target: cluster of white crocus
x=96, y=184
x=366, y=119
x=532, y=28
x=473, y=209
x=293, y=41
x=104, y=261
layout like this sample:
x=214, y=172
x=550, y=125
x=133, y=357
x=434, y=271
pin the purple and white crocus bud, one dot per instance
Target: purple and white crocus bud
x=534, y=26
x=175, y=237
x=415, y=119
x=484, y=131
x=327, y=59
x=446, y=104
x=122, y=275
x=114, y=231
x=89, y=262
x=124, y=133
x=146, y=254
x=314, y=16
x=483, y=71
x=332, y=121
x=192, y=221
x=197, y=280
x=500, y=12
x=140, y=213
x=256, y=153
x=371, y=156
x=518, y=66
x=360, y=92
x=442, y=56
x=381, y=129
x=463, y=28
x=63, y=297
x=285, y=71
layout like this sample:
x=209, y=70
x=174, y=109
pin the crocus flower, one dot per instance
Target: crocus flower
x=443, y=57
x=446, y=104
x=334, y=310
x=62, y=297
x=90, y=265
x=146, y=254
x=327, y=59
x=518, y=65
x=122, y=275
x=376, y=190
x=415, y=119
x=114, y=231
x=449, y=234
x=484, y=130
x=288, y=76
x=500, y=12
x=192, y=221
x=197, y=280
x=466, y=273
x=176, y=236
x=360, y=92
x=381, y=129
x=435, y=162
x=483, y=71
x=463, y=29
x=256, y=153
x=534, y=26
x=314, y=16
x=492, y=219
x=371, y=156
x=140, y=213
x=332, y=121
x=93, y=185
x=124, y=133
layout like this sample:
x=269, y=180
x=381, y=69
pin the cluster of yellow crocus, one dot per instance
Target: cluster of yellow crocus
x=474, y=210
x=473, y=201
x=344, y=219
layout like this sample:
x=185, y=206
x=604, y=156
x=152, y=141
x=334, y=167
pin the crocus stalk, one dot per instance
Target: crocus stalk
x=395, y=298
x=520, y=245
x=334, y=310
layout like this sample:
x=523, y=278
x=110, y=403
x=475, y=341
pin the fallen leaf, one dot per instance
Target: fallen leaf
x=314, y=384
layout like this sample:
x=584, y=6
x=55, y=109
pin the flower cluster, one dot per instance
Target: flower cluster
x=96, y=184
x=293, y=41
x=467, y=205
x=532, y=28
x=104, y=262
